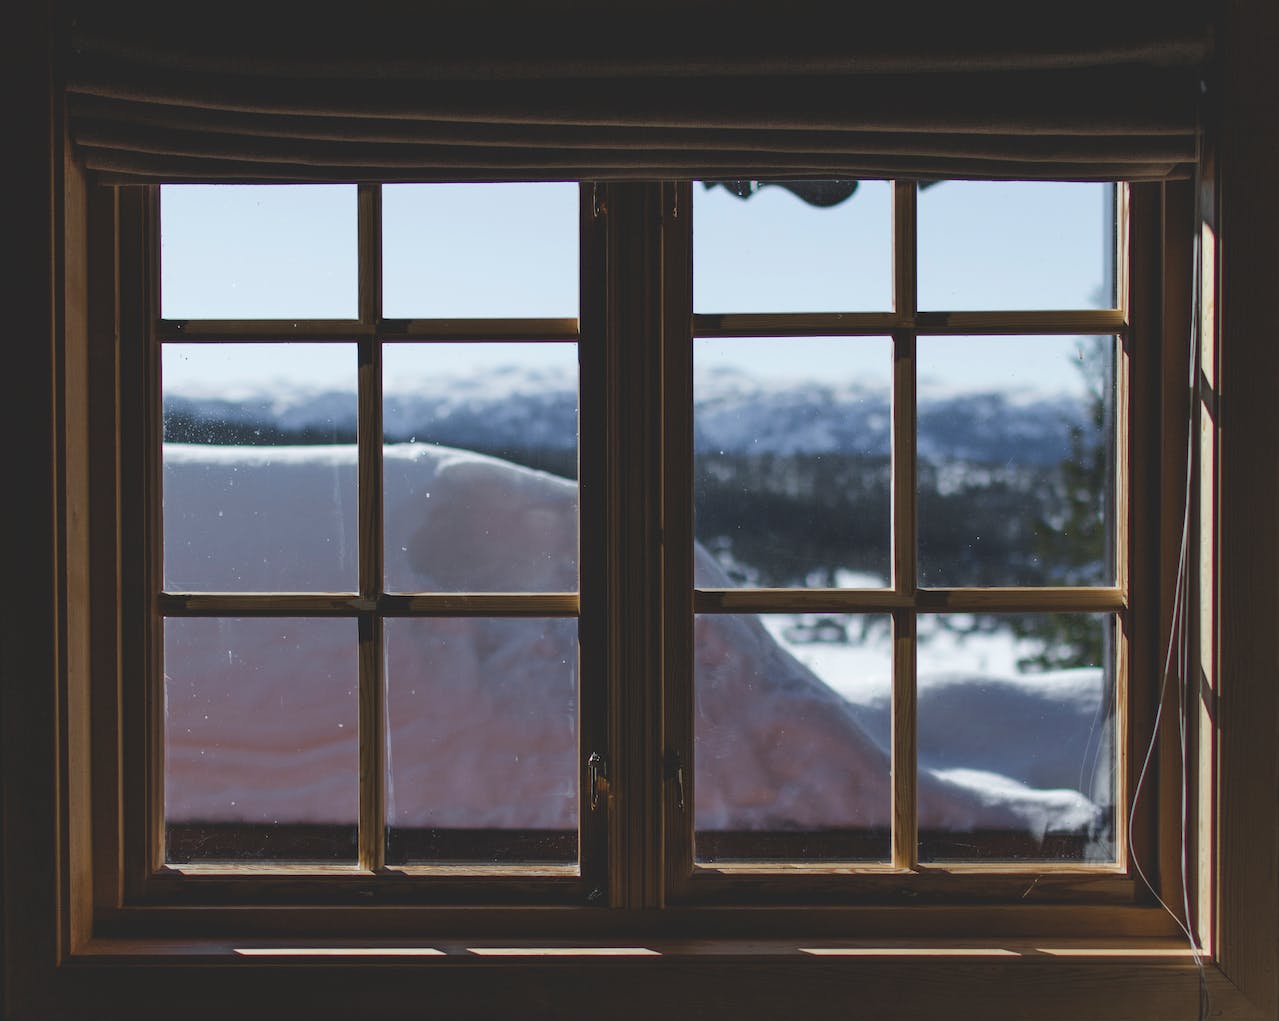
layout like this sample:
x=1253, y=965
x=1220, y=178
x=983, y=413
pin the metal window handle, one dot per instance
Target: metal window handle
x=675, y=772
x=596, y=777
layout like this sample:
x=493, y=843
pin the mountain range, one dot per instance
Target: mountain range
x=734, y=413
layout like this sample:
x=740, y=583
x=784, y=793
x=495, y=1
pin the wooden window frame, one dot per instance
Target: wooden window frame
x=147, y=878
x=832, y=882
x=86, y=949
x=636, y=336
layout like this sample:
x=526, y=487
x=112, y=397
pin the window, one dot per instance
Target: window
x=369, y=620
x=419, y=453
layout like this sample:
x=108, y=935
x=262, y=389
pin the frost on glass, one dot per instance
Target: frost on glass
x=760, y=247
x=1016, y=245
x=259, y=468
x=791, y=762
x=482, y=754
x=480, y=250
x=258, y=251
x=1016, y=465
x=792, y=460
x=260, y=739
x=1017, y=711
x=480, y=467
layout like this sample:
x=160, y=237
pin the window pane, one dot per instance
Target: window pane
x=479, y=250
x=258, y=251
x=792, y=461
x=772, y=251
x=1016, y=245
x=1016, y=460
x=480, y=466
x=260, y=468
x=1017, y=712
x=260, y=739
x=785, y=766
x=482, y=762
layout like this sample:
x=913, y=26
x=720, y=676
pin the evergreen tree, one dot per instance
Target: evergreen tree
x=1074, y=536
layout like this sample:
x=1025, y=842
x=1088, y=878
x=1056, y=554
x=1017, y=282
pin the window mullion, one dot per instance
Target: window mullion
x=677, y=531
x=633, y=483
x=372, y=685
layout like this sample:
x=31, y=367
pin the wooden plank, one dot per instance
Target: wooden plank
x=594, y=526
x=1139, y=532
x=336, y=331
x=851, y=884
x=879, y=324
x=152, y=497
x=1175, y=499
x=796, y=324
x=1022, y=600
x=76, y=558
x=372, y=745
x=634, y=488
x=797, y=600
x=679, y=696
x=479, y=330
x=1248, y=384
x=298, y=604
x=106, y=596
x=905, y=750
x=372, y=682
x=284, y=871
x=905, y=251
x=1000, y=919
x=1036, y=986
x=29, y=646
x=138, y=631
x=1205, y=534
x=1029, y=323
x=905, y=532
x=369, y=253
x=262, y=331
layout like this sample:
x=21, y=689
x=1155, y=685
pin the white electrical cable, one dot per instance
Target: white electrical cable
x=1178, y=638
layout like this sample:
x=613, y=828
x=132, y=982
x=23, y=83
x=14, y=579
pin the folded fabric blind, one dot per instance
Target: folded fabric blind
x=499, y=89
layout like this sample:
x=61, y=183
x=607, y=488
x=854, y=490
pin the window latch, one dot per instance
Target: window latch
x=675, y=773
x=596, y=778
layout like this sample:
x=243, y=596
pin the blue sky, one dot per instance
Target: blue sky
x=511, y=250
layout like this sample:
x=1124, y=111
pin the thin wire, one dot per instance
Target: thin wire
x=1178, y=638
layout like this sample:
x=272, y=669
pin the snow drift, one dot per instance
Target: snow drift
x=261, y=714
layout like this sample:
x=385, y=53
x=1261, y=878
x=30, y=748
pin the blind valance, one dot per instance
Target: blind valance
x=496, y=90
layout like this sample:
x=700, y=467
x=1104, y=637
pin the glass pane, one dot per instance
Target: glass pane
x=261, y=738
x=258, y=251
x=791, y=760
x=482, y=759
x=479, y=250
x=1017, y=737
x=760, y=247
x=1016, y=245
x=792, y=461
x=1016, y=461
x=480, y=467
x=260, y=468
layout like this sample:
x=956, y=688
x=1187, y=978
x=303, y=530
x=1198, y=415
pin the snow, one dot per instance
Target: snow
x=261, y=714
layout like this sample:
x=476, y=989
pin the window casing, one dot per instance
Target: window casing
x=636, y=333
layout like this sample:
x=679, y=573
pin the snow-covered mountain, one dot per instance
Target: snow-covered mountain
x=735, y=413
